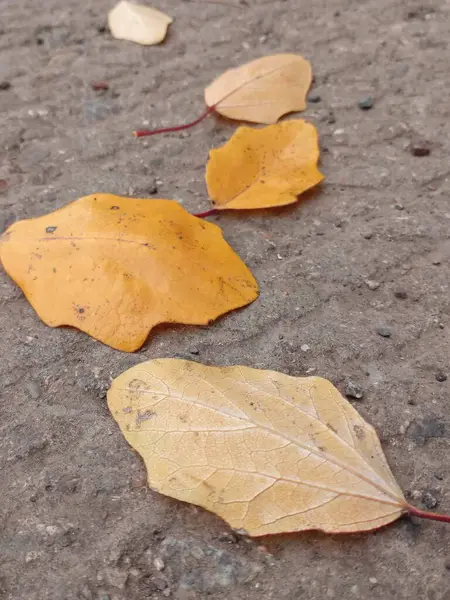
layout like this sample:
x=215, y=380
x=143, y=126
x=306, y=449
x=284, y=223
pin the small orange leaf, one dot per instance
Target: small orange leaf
x=267, y=452
x=261, y=168
x=262, y=90
x=116, y=267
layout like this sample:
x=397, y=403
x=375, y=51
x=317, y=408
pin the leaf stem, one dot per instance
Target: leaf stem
x=144, y=132
x=423, y=514
x=207, y=213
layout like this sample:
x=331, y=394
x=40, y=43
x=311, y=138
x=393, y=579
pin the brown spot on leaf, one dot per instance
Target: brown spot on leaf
x=359, y=431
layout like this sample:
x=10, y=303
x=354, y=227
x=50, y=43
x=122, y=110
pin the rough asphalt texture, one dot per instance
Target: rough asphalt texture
x=354, y=279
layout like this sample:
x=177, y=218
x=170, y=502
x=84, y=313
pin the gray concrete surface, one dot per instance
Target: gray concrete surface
x=77, y=521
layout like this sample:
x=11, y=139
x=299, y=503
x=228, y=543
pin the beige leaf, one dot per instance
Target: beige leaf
x=267, y=452
x=262, y=90
x=138, y=23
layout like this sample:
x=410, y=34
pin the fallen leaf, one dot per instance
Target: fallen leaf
x=116, y=267
x=260, y=168
x=138, y=23
x=267, y=452
x=262, y=90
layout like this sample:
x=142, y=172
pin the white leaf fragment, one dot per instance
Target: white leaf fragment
x=138, y=23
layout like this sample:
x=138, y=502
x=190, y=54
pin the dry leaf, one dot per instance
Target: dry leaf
x=260, y=168
x=138, y=23
x=116, y=267
x=267, y=452
x=262, y=90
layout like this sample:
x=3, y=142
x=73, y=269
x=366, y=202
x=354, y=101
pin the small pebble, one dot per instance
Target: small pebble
x=159, y=583
x=398, y=206
x=420, y=149
x=384, y=332
x=441, y=377
x=401, y=294
x=436, y=262
x=428, y=500
x=4, y=85
x=367, y=235
x=366, y=103
x=153, y=189
x=305, y=347
x=403, y=428
x=372, y=285
x=99, y=86
x=158, y=563
x=159, y=535
x=33, y=389
x=194, y=351
x=86, y=593
x=314, y=98
x=30, y=556
x=353, y=390
x=230, y=538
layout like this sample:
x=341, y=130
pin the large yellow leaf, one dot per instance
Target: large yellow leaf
x=116, y=267
x=260, y=168
x=262, y=90
x=138, y=23
x=267, y=452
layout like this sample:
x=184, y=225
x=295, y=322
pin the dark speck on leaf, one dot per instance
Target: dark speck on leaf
x=359, y=431
x=50, y=229
x=114, y=207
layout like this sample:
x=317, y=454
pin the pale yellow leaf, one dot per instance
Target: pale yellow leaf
x=262, y=90
x=267, y=452
x=138, y=23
